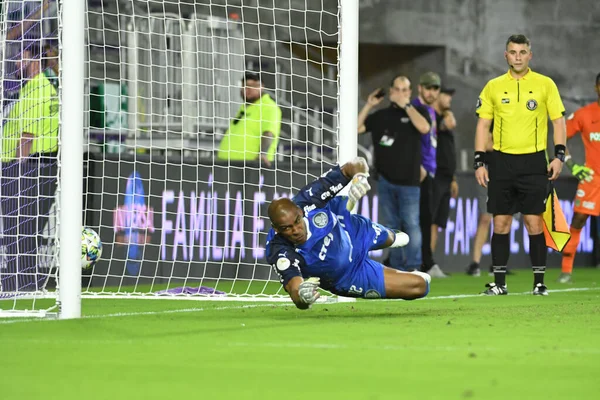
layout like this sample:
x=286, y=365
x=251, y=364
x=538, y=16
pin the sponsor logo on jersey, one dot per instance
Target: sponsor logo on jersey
x=505, y=101
x=580, y=193
x=372, y=294
x=594, y=136
x=336, y=188
x=309, y=208
x=590, y=205
x=283, y=264
x=531, y=104
x=320, y=219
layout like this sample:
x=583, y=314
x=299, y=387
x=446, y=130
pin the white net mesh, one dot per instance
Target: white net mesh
x=29, y=149
x=180, y=166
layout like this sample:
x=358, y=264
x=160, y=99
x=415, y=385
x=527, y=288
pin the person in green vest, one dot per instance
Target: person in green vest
x=32, y=124
x=254, y=133
x=28, y=151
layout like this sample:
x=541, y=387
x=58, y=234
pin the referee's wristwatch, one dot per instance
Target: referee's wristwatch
x=479, y=160
x=560, y=152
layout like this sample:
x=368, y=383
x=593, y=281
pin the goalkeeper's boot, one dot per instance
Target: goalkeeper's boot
x=540, y=290
x=564, y=278
x=495, y=290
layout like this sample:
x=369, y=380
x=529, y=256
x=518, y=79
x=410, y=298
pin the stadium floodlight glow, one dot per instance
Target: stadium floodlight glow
x=161, y=84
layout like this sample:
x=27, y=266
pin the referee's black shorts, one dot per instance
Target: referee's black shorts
x=518, y=183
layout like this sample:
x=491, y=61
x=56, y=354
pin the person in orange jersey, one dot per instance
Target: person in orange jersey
x=586, y=121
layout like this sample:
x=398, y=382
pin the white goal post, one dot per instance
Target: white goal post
x=150, y=92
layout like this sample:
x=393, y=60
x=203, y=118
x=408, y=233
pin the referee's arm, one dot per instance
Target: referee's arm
x=560, y=138
x=556, y=112
x=482, y=133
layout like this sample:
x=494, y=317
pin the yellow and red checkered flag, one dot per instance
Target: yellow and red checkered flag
x=556, y=229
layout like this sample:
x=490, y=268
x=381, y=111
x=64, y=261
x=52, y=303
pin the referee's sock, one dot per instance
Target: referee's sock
x=538, y=252
x=500, y=253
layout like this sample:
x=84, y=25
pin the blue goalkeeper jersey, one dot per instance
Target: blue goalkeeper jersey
x=337, y=242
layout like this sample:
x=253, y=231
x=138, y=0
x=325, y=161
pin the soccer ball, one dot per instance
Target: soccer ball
x=91, y=248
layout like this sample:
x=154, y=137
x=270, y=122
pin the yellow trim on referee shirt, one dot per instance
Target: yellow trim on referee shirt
x=520, y=110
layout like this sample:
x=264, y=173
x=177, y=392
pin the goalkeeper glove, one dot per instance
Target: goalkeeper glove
x=582, y=173
x=360, y=187
x=307, y=291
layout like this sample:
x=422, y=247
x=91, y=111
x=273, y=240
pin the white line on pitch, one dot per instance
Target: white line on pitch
x=433, y=348
x=186, y=310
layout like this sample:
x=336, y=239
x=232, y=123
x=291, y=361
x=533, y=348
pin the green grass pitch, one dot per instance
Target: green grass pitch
x=444, y=347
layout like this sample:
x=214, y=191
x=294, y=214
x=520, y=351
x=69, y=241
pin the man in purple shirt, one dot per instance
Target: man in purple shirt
x=429, y=90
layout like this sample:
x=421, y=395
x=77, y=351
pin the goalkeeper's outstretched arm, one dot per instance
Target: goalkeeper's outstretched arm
x=321, y=191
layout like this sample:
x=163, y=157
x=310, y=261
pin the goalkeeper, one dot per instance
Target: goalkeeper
x=316, y=242
x=586, y=121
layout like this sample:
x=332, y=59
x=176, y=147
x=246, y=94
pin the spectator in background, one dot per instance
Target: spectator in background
x=29, y=149
x=485, y=218
x=396, y=133
x=445, y=185
x=429, y=90
x=23, y=29
x=254, y=133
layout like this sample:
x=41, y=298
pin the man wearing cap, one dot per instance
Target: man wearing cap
x=254, y=133
x=396, y=132
x=444, y=183
x=429, y=90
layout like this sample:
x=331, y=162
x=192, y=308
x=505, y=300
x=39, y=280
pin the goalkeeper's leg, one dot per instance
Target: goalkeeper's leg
x=405, y=285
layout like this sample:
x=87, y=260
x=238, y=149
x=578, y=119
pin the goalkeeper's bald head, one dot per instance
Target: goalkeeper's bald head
x=282, y=208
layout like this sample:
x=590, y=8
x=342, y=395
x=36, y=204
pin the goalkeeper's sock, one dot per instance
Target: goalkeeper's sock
x=425, y=277
x=401, y=239
x=537, y=253
x=570, y=250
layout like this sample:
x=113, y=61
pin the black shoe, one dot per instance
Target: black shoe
x=473, y=269
x=495, y=290
x=540, y=290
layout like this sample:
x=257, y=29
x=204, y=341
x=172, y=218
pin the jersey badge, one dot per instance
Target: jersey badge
x=372, y=294
x=531, y=104
x=320, y=219
x=283, y=264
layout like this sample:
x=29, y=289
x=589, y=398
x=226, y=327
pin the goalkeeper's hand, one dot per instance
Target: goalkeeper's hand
x=360, y=187
x=582, y=173
x=307, y=291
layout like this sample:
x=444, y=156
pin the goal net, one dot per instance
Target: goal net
x=197, y=114
x=179, y=171
x=29, y=149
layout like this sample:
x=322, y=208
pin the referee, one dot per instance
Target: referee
x=519, y=102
